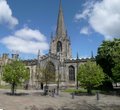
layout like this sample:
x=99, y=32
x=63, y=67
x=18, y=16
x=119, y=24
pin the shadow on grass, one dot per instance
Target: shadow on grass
x=80, y=107
x=38, y=94
x=116, y=93
x=83, y=94
x=36, y=108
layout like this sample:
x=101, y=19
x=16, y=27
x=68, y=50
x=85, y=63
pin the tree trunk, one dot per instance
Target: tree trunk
x=13, y=88
x=58, y=87
x=89, y=90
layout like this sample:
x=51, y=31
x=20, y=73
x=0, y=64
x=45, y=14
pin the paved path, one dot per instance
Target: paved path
x=33, y=99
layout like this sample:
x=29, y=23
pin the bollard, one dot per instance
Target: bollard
x=115, y=93
x=52, y=93
x=57, y=91
x=73, y=95
x=97, y=96
x=46, y=90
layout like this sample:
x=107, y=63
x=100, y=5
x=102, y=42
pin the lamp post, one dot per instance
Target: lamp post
x=58, y=76
x=58, y=82
x=77, y=73
x=0, y=73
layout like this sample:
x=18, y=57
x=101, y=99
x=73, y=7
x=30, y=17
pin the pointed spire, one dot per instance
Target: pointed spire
x=77, y=56
x=51, y=36
x=49, y=50
x=66, y=33
x=38, y=60
x=50, y=43
x=38, y=55
x=92, y=56
x=60, y=22
x=69, y=39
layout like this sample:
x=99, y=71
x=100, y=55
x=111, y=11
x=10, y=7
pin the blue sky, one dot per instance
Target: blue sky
x=26, y=25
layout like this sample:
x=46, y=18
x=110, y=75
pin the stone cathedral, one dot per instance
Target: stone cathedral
x=59, y=57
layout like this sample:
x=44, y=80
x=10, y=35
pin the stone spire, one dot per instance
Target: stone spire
x=77, y=56
x=92, y=56
x=38, y=55
x=61, y=31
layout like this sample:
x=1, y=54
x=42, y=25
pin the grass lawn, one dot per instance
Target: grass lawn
x=70, y=90
x=9, y=87
x=4, y=87
x=81, y=90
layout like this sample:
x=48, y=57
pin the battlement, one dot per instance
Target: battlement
x=30, y=62
x=5, y=56
x=49, y=55
x=79, y=60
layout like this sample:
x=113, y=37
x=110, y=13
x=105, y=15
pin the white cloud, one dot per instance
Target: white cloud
x=27, y=41
x=104, y=18
x=6, y=16
x=86, y=11
x=82, y=15
x=85, y=30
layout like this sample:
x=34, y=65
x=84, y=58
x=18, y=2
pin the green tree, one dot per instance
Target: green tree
x=108, y=57
x=116, y=72
x=15, y=73
x=90, y=75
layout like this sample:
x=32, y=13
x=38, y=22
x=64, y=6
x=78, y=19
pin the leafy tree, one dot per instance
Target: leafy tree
x=15, y=73
x=90, y=75
x=116, y=72
x=108, y=57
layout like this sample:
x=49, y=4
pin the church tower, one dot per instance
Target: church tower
x=60, y=44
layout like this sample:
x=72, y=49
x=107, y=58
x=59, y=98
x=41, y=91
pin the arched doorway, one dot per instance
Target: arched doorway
x=71, y=73
x=59, y=46
x=50, y=67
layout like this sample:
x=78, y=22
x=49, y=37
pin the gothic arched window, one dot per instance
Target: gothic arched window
x=71, y=73
x=59, y=46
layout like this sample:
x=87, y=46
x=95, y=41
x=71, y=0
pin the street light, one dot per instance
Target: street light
x=77, y=73
x=58, y=82
x=58, y=76
x=0, y=73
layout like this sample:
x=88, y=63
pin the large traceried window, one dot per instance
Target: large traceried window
x=71, y=73
x=59, y=46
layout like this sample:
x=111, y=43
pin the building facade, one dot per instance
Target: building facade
x=59, y=57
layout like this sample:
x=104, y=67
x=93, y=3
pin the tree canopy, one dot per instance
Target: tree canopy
x=108, y=57
x=90, y=75
x=15, y=73
x=116, y=72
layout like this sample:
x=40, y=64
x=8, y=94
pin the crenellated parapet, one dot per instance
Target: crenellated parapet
x=79, y=60
x=51, y=55
x=30, y=62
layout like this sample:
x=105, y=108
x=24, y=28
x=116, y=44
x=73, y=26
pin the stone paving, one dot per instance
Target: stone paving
x=33, y=100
